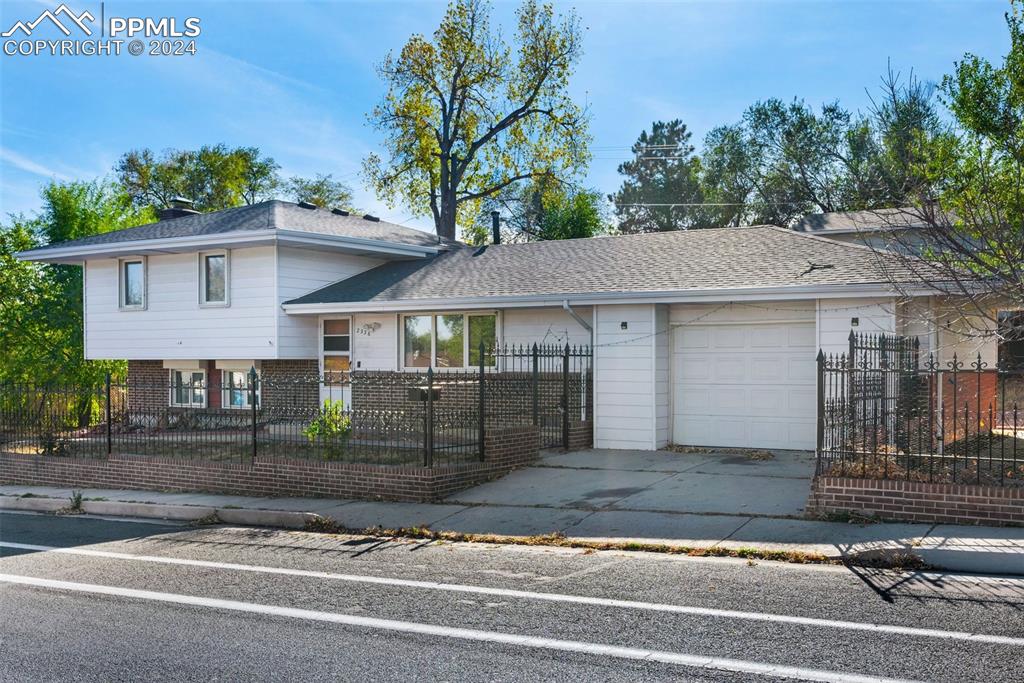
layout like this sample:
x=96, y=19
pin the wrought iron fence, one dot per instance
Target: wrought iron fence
x=429, y=417
x=887, y=411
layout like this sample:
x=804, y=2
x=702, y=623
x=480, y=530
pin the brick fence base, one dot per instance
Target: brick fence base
x=912, y=501
x=504, y=451
x=581, y=435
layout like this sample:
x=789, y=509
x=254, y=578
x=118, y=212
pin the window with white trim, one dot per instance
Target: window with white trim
x=131, y=275
x=235, y=389
x=448, y=340
x=214, y=278
x=188, y=388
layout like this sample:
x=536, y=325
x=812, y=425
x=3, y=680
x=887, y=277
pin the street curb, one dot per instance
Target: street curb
x=969, y=562
x=279, y=518
x=185, y=513
x=33, y=504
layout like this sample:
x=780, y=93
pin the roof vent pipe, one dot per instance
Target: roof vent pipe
x=495, y=228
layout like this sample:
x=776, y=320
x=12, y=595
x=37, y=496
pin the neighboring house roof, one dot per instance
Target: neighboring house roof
x=252, y=221
x=721, y=258
x=862, y=221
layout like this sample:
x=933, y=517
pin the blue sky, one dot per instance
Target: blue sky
x=297, y=78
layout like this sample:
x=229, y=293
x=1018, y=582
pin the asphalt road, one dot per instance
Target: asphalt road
x=92, y=599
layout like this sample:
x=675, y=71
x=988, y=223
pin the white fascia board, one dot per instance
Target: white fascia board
x=608, y=298
x=230, y=239
x=302, y=238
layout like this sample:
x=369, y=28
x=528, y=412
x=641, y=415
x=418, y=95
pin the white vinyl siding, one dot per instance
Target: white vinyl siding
x=173, y=325
x=835, y=320
x=545, y=326
x=301, y=271
x=624, y=377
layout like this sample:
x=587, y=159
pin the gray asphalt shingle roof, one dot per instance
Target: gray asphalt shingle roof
x=272, y=214
x=875, y=219
x=723, y=258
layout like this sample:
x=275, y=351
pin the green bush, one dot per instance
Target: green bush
x=331, y=428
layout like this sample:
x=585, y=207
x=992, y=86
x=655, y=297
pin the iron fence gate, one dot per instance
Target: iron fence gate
x=887, y=411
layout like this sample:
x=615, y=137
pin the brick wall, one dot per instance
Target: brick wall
x=290, y=385
x=504, y=451
x=149, y=386
x=286, y=384
x=508, y=397
x=912, y=501
x=581, y=435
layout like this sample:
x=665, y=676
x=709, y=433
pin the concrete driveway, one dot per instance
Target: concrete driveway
x=656, y=481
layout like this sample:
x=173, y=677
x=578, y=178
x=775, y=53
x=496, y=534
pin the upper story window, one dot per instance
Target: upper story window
x=213, y=278
x=447, y=340
x=132, y=283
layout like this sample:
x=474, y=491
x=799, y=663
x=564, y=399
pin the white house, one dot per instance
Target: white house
x=704, y=337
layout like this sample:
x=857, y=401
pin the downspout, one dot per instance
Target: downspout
x=587, y=326
x=575, y=316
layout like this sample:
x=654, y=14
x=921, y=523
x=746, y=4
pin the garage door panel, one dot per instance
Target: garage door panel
x=727, y=401
x=692, y=338
x=801, y=370
x=801, y=336
x=729, y=338
x=744, y=385
x=693, y=401
x=769, y=337
x=696, y=369
x=727, y=369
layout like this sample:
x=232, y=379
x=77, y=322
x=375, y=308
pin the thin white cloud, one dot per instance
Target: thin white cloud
x=25, y=164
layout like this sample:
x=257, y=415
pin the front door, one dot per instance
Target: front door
x=336, y=360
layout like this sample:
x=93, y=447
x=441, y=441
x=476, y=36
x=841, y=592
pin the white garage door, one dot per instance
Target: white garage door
x=744, y=385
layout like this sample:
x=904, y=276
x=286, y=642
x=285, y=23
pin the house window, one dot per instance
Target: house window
x=188, y=388
x=236, y=390
x=337, y=350
x=417, y=342
x=132, y=283
x=213, y=278
x=448, y=340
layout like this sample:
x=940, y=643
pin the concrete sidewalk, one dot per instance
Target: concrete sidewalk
x=965, y=549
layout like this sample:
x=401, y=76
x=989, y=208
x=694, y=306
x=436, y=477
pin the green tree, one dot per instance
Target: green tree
x=545, y=209
x=968, y=187
x=41, y=338
x=321, y=190
x=467, y=115
x=661, y=190
x=214, y=177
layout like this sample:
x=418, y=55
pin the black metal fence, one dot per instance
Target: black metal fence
x=428, y=417
x=888, y=411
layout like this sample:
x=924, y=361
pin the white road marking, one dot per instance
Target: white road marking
x=532, y=595
x=597, y=649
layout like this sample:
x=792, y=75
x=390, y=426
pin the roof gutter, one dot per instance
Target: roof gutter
x=240, y=238
x=835, y=291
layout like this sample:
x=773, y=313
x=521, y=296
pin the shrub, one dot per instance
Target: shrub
x=331, y=428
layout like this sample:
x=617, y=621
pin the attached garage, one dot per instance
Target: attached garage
x=744, y=384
